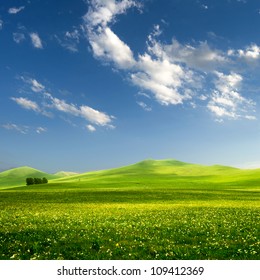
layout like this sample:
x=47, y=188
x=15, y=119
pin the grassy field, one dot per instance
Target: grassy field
x=150, y=210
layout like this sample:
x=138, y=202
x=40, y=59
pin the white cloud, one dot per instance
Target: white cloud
x=75, y=35
x=36, y=86
x=226, y=101
x=40, y=129
x=1, y=24
x=201, y=57
x=91, y=128
x=169, y=82
x=63, y=106
x=20, y=128
x=24, y=129
x=104, y=42
x=173, y=73
x=36, y=40
x=70, y=40
x=18, y=37
x=163, y=94
x=108, y=46
x=140, y=93
x=95, y=116
x=144, y=106
x=26, y=104
x=49, y=102
x=86, y=112
x=103, y=12
x=15, y=10
x=252, y=52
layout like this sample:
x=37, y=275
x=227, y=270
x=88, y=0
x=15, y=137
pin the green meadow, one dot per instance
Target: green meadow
x=163, y=209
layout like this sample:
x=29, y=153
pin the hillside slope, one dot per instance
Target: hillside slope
x=167, y=169
x=17, y=176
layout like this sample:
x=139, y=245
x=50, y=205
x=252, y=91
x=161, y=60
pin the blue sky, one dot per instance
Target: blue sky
x=89, y=85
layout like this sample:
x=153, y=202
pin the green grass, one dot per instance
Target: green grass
x=149, y=210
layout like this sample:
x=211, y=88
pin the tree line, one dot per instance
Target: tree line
x=32, y=181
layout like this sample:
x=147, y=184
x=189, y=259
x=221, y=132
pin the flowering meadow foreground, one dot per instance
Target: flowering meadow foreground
x=151, y=210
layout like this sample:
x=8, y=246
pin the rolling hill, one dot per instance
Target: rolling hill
x=167, y=169
x=17, y=176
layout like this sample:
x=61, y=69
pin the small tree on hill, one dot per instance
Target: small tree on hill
x=37, y=181
x=44, y=180
x=29, y=181
x=32, y=181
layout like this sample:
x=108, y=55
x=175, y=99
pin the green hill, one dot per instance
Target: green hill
x=17, y=176
x=167, y=169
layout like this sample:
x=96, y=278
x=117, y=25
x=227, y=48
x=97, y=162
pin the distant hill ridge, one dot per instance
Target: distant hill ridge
x=148, y=167
x=151, y=167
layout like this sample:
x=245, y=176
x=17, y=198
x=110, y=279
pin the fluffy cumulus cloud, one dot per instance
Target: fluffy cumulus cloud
x=15, y=10
x=106, y=45
x=103, y=12
x=104, y=42
x=154, y=73
x=36, y=40
x=250, y=53
x=172, y=73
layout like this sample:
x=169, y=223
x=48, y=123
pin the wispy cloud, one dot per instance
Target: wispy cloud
x=36, y=40
x=226, y=101
x=144, y=106
x=70, y=40
x=1, y=24
x=18, y=37
x=35, y=86
x=24, y=129
x=41, y=130
x=26, y=103
x=15, y=10
x=83, y=111
x=19, y=128
x=50, y=104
